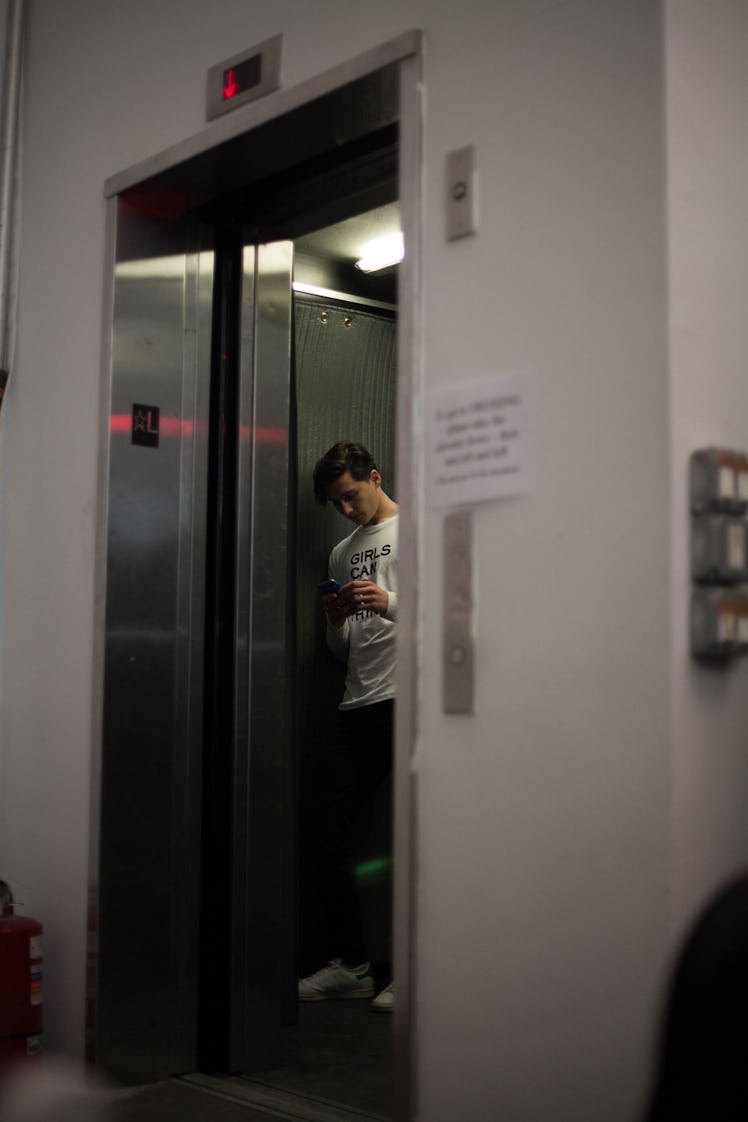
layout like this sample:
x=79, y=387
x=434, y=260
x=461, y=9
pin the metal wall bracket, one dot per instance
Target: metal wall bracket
x=458, y=650
x=462, y=200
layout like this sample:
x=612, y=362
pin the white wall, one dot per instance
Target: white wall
x=707, y=100
x=544, y=821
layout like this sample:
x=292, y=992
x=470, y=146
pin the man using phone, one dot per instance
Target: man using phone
x=361, y=621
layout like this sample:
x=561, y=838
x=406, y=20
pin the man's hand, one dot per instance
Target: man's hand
x=335, y=609
x=356, y=596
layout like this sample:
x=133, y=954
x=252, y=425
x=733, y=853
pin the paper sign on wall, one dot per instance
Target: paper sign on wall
x=477, y=441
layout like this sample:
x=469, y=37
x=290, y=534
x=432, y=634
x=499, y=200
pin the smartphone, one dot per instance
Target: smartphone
x=329, y=586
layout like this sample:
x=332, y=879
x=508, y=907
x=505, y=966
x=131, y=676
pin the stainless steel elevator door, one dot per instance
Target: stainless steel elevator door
x=144, y=909
x=154, y=895
x=264, y=683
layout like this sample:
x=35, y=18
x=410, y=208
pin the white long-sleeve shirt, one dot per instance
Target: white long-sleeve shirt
x=366, y=641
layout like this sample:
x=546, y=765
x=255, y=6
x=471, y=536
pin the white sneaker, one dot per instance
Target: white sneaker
x=337, y=981
x=384, y=1001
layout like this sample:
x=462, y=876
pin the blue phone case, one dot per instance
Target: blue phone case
x=328, y=586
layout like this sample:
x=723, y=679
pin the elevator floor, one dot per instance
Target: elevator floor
x=336, y=1067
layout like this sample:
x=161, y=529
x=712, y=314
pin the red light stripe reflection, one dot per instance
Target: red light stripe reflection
x=121, y=425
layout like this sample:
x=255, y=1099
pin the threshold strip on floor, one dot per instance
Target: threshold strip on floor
x=281, y=1104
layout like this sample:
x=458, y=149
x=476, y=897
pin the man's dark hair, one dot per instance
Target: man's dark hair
x=342, y=457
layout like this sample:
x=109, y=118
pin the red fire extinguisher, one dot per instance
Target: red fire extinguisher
x=20, y=983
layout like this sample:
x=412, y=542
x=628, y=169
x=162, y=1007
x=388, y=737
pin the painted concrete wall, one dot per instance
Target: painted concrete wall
x=707, y=99
x=544, y=820
x=544, y=856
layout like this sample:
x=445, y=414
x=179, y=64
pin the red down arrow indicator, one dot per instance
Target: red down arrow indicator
x=230, y=85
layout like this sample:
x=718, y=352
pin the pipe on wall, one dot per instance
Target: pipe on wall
x=8, y=157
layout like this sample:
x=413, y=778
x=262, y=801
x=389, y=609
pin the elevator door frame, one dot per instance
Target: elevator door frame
x=208, y=152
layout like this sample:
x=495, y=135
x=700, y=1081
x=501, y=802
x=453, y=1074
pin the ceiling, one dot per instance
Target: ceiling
x=344, y=241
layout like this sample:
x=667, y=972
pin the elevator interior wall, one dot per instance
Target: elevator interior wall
x=345, y=390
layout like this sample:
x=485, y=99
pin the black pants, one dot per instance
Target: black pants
x=345, y=776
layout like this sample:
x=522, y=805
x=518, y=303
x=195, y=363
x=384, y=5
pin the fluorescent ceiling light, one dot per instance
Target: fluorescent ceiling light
x=382, y=252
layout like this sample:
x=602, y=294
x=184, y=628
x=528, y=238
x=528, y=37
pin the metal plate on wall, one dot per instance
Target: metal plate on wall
x=244, y=77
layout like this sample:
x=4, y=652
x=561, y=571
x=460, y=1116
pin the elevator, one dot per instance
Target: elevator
x=232, y=370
